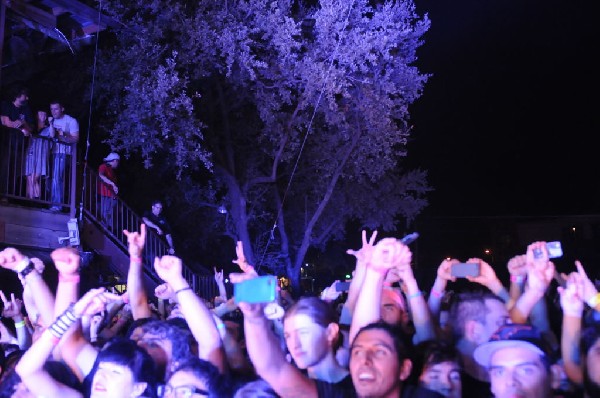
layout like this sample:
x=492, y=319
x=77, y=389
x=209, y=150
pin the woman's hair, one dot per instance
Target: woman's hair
x=321, y=313
x=204, y=371
x=318, y=310
x=127, y=353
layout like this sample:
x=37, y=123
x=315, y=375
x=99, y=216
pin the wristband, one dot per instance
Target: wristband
x=435, y=293
x=181, y=290
x=517, y=279
x=135, y=259
x=387, y=284
x=415, y=295
x=21, y=265
x=63, y=323
x=27, y=270
x=20, y=324
x=594, y=300
x=72, y=278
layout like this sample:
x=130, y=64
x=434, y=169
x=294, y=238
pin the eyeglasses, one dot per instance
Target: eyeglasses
x=180, y=392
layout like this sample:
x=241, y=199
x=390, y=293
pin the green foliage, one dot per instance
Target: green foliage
x=298, y=109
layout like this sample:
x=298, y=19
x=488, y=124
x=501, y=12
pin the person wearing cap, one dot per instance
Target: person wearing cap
x=519, y=362
x=108, y=187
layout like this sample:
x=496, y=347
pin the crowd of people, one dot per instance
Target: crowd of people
x=36, y=147
x=384, y=337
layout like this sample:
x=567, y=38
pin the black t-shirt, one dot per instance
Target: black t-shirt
x=343, y=390
x=471, y=387
x=160, y=221
x=22, y=113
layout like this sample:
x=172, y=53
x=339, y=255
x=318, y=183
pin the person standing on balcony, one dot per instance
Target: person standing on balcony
x=16, y=115
x=108, y=188
x=64, y=129
x=158, y=223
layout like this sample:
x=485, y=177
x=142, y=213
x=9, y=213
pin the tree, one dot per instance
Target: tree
x=300, y=112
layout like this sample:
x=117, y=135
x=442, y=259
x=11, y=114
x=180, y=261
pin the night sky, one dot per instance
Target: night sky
x=507, y=123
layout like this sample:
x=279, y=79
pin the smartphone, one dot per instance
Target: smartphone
x=410, y=238
x=554, y=250
x=342, y=286
x=462, y=270
x=262, y=289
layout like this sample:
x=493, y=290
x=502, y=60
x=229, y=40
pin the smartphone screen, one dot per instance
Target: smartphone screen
x=342, y=286
x=462, y=270
x=257, y=290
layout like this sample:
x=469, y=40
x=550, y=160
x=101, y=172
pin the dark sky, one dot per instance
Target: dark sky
x=507, y=122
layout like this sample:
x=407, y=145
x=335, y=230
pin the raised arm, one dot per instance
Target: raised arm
x=12, y=309
x=198, y=317
x=571, y=301
x=362, y=258
x=266, y=354
x=30, y=367
x=439, y=287
x=540, y=272
x=387, y=254
x=517, y=268
x=220, y=284
x=487, y=277
x=138, y=298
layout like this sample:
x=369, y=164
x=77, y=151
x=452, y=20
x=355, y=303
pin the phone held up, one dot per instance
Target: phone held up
x=462, y=270
x=262, y=289
x=554, y=250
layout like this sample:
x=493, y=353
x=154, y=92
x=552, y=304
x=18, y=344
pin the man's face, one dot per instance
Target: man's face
x=21, y=99
x=112, y=380
x=157, y=209
x=114, y=163
x=306, y=340
x=57, y=111
x=393, y=311
x=444, y=378
x=496, y=316
x=374, y=365
x=518, y=372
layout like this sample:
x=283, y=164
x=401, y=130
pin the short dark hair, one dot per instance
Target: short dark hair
x=203, y=370
x=393, y=331
x=180, y=338
x=469, y=306
x=17, y=91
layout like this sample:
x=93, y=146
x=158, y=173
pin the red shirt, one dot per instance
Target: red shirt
x=108, y=172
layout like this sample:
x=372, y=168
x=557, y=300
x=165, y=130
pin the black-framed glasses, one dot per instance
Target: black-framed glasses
x=181, y=391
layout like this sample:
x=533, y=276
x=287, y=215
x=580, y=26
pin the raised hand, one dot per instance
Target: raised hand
x=164, y=291
x=38, y=264
x=571, y=296
x=94, y=301
x=13, y=307
x=363, y=255
x=330, y=293
x=517, y=266
x=10, y=258
x=249, y=310
x=136, y=241
x=539, y=279
x=218, y=276
x=444, y=271
x=389, y=253
x=168, y=268
x=241, y=259
x=537, y=255
x=66, y=260
x=588, y=289
x=487, y=275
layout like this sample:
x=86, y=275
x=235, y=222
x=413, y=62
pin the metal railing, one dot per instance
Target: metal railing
x=124, y=217
x=35, y=169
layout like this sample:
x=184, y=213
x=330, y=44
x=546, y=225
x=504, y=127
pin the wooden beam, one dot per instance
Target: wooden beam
x=32, y=13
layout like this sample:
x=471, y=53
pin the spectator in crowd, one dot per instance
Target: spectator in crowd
x=158, y=223
x=437, y=367
x=519, y=362
x=17, y=117
x=64, y=129
x=108, y=188
x=36, y=163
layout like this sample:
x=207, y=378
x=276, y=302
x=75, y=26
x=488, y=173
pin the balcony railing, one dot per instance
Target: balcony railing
x=31, y=174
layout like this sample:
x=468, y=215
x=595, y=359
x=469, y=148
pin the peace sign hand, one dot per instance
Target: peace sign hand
x=13, y=307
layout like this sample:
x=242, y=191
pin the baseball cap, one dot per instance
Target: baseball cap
x=112, y=156
x=511, y=336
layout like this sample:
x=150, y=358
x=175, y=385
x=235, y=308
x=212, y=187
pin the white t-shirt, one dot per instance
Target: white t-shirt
x=68, y=125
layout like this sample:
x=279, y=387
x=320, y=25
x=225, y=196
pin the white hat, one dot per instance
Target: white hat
x=112, y=156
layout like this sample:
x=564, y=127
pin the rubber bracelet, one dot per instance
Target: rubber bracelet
x=435, y=293
x=27, y=270
x=594, y=300
x=20, y=324
x=135, y=259
x=517, y=279
x=415, y=295
x=182, y=290
x=21, y=265
x=72, y=278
